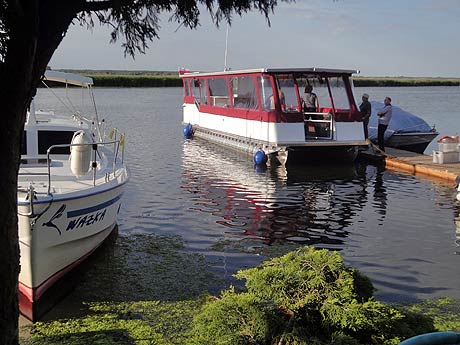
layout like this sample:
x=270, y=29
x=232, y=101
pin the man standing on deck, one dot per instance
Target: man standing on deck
x=384, y=119
x=366, y=109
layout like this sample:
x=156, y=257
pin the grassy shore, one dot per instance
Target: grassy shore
x=113, y=78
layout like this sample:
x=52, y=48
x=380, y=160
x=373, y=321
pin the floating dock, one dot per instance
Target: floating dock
x=413, y=163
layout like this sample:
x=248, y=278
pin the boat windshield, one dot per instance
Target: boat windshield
x=293, y=91
x=339, y=93
x=318, y=87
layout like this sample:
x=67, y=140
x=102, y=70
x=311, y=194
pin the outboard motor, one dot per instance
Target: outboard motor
x=80, y=156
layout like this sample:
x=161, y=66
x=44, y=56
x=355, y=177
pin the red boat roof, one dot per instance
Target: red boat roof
x=310, y=70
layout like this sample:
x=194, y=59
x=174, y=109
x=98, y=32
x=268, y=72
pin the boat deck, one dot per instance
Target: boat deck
x=62, y=180
x=414, y=163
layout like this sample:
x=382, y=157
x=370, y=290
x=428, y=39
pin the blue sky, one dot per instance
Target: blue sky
x=380, y=38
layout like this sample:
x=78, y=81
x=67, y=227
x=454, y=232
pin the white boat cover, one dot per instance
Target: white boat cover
x=401, y=122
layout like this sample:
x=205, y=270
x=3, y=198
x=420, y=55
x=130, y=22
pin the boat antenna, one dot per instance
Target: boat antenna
x=226, y=50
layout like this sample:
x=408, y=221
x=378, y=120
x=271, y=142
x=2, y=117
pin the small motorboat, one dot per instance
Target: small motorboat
x=71, y=179
x=406, y=131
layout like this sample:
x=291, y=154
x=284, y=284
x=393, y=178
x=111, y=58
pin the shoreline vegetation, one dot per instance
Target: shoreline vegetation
x=119, y=78
x=151, y=290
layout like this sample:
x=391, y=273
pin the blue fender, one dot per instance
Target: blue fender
x=436, y=338
x=260, y=158
x=188, y=131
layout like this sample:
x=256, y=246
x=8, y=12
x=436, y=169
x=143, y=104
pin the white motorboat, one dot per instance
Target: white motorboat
x=71, y=179
x=406, y=131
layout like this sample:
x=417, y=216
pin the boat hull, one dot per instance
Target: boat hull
x=414, y=142
x=56, y=288
x=62, y=237
x=288, y=153
x=323, y=154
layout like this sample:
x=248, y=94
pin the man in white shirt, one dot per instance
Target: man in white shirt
x=384, y=119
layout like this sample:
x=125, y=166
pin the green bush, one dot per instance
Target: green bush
x=235, y=319
x=304, y=297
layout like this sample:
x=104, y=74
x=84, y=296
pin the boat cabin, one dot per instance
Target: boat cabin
x=44, y=129
x=276, y=95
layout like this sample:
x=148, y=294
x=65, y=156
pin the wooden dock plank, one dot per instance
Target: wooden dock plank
x=415, y=163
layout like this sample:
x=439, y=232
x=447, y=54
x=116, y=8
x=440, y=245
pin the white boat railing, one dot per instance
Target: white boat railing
x=31, y=192
x=116, y=134
x=322, y=124
x=95, y=147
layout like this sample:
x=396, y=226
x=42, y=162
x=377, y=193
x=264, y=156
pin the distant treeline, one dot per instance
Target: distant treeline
x=117, y=78
x=405, y=81
x=111, y=78
x=136, y=80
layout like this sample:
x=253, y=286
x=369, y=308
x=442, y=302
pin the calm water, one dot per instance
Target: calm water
x=397, y=229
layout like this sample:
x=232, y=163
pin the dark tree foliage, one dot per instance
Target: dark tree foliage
x=30, y=32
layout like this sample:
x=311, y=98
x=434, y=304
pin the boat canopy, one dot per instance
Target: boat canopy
x=314, y=70
x=67, y=78
x=401, y=122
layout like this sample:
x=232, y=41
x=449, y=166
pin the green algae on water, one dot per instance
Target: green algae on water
x=143, y=289
x=146, y=267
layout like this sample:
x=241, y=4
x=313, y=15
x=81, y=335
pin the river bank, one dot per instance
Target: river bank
x=115, y=78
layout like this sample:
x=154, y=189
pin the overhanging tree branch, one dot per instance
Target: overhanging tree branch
x=30, y=32
x=94, y=6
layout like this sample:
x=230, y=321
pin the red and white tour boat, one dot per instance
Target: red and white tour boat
x=266, y=109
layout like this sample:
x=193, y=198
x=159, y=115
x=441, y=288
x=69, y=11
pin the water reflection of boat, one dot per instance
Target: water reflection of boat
x=286, y=204
x=70, y=184
x=406, y=131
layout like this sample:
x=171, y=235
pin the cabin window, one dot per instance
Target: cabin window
x=244, y=93
x=199, y=91
x=287, y=92
x=319, y=88
x=187, y=87
x=218, y=92
x=266, y=93
x=49, y=138
x=339, y=93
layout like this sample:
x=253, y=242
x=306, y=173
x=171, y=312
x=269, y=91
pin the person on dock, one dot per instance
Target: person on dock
x=311, y=100
x=384, y=119
x=366, y=109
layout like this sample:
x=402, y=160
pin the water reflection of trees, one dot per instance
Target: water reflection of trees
x=380, y=195
x=457, y=227
x=300, y=204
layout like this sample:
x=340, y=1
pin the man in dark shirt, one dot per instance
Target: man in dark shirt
x=366, y=109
